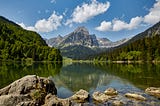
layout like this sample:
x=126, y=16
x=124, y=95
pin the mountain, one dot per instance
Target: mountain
x=17, y=43
x=142, y=47
x=54, y=41
x=80, y=36
x=79, y=44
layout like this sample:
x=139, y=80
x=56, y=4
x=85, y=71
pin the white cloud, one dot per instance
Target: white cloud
x=86, y=11
x=154, y=14
x=52, y=23
x=27, y=28
x=105, y=26
x=121, y=25
x=46, y=25
x=117, y=25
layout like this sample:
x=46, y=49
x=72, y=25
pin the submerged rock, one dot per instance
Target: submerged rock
x=111, y=91
x=80, y=96
x=117, y=103
x=100, y=97
x=153, y=91
x=135, y=96
x=52, y=100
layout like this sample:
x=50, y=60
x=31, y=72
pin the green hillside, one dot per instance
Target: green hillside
x=143, y=47
x=17, y=43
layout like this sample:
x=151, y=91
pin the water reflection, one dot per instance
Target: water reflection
x=11, y=71
x=91, y=77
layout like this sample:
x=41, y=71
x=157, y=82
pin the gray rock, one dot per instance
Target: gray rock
x=80, y=96
x=153, y=91
x=111, y=91
x=100, y=97
x=52, y=100
x=28, y=83
x=117, y=103
x=27, y=91
x=135, y=96
x=13, y=100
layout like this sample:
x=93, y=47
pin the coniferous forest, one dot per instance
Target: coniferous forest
x=142, y=47
x=146, y=49
x=19, y=44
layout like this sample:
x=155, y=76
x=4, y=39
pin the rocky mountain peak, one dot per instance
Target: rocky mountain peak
x=82, y=30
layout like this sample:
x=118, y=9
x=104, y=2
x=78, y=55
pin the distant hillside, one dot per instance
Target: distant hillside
x=144, y=46
x=17, y=43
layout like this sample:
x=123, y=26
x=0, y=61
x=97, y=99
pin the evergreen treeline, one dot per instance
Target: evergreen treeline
x=19, y=44
x=146, y=49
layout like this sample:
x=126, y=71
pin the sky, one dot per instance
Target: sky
x=112, y=19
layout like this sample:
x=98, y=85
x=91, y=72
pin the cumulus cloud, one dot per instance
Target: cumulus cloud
x=87, y=11
x=105, y=26
x=121, y=25
x=154, y=14
x=46, y=25
x=31, y=28
x=50, y=24
x=116, y=25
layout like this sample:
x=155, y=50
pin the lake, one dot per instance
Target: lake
x=71, y=77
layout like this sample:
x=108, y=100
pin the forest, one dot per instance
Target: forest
x=19, y=44
x=146, y=49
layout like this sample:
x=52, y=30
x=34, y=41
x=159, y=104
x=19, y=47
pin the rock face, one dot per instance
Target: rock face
x=135, y=96
x=80, y=36
x=153, y=91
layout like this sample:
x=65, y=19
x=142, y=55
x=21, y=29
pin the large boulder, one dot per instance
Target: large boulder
x=135, y=96
x=28, y=91
x=153, y=91
x=13, y=100
x=80, y=96
x=27, y=84
x=111, y=91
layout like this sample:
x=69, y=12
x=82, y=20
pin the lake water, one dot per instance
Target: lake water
x=69, y=78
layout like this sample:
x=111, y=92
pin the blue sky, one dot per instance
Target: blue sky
x=113, y=19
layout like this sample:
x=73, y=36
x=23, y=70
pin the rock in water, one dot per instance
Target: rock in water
x=153, y=91
x=135, y=96
x=80, y=96
x=28, y=83
x=111, y=91
x=30, y=89
x=117, y=103
x=52, y=100
x=100, y=97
